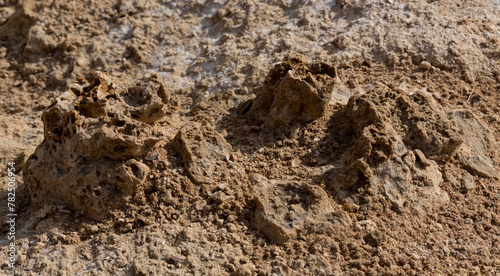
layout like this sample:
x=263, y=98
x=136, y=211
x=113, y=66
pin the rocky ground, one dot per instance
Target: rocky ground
x=251, y=138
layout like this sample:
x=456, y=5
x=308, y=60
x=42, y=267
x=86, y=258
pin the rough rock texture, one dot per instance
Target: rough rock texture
x=94, y=137
x=294, y=91
x=202, y=148
x=283, y=208
x=389, y=137
x=221, y=51
x=479, y=144
x=18, y=23
x=16, y=139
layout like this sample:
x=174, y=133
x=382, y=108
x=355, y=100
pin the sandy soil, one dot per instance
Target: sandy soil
x=251, y=138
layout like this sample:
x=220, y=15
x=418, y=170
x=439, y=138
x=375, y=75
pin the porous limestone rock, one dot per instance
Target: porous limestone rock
x=284, y=207
x=201, y=148
x=294, y=91
x=390, y=139
x=95, y=135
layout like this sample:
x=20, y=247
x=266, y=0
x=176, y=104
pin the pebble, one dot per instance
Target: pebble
x=425, y=65
x=94, y=229
x=350, y=207
x=4, y=64
x=365, y=226
x=21, y=259
x=468, y=182
x=448, y=176
x=375, y=238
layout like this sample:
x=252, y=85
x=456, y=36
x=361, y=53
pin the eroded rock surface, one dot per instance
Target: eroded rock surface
x=294, y=91
x=480, y=142
x=201, y=148
x=284, y=207
x=94, y=137
x=391, y=139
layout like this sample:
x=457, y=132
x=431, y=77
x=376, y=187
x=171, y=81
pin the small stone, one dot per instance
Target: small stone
x=201, y=147
x=219, y=197
x=295, y=163
x=4, y=64
x=375, y=238
x=350, y=207
x=93, y=229
x=142, y=219
x=83, y=61
x=152, y=156
x=20, y=259
x=38, y=246
x=244, y=270
x=365, y=226
x=425, y=65
x=480, y=140
x=468, y=182
x=256, y=178
x=477, y=164
x=169, y=199
x=438, y=227
x=266, y=222
x=5, y=13
x=448, y=176
x=341, y=217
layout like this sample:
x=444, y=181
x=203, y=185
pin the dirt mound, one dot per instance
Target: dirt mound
x=95, y=135
x=384, y=144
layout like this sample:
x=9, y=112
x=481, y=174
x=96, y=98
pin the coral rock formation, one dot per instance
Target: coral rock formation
x=94, y=137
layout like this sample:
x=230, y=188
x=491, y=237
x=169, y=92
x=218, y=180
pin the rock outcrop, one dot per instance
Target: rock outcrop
x=294, y=91
x=95, y=135
x=392, y=141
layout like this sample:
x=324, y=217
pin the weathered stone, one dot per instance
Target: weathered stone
x=390, y=139
x=468, y=182
x=282, y=207
x=268, y=222
x=94, y=136
x=477, y=164
x=365, y=226
x=480, y=142
x=375, y=238
x=201, y=148
x=294, y=91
